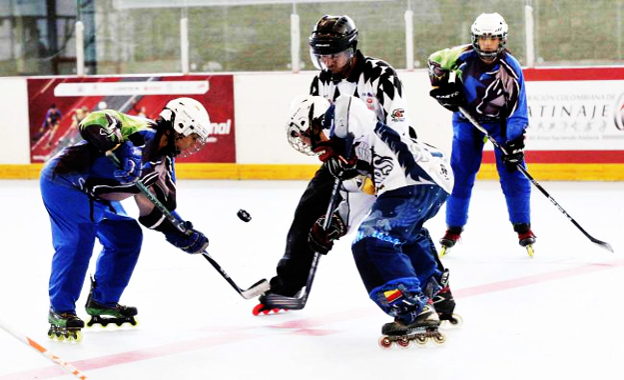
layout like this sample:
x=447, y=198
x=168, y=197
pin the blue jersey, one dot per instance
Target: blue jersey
x=85, y=166
x=494, y=93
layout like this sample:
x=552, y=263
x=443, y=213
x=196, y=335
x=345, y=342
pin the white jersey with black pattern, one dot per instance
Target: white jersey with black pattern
x=394, y=160
x=376, y=83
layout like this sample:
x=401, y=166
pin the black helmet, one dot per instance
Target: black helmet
x=333, y=34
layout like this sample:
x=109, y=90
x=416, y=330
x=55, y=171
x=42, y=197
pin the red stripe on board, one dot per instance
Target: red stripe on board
x=306, y=323
x=566, y=156
x=569, y=74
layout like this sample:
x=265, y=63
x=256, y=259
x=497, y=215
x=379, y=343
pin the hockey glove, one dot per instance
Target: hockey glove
x=330, y=152
x=342, y=169
x=322, y=241
x=191, y=242
x=515, y=153
x=130, y=158
x=450, y=96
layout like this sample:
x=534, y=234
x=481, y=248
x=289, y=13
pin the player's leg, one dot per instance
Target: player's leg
x=73, y=238
x=517, y=190
x=294, y=266
x=388, y=273
x=121, y=240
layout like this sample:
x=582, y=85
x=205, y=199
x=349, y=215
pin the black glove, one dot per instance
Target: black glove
x=450, y=96
x=191, y=242
x=341, y=168
x=515, y=153
x=322, y=241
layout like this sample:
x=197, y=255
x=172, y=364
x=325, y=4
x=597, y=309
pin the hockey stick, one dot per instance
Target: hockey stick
x=43, y=351
x=252, y=292
x=523, y=170
x=298, y=302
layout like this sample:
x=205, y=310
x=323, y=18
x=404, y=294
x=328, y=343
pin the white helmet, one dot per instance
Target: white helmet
x=304, y=126
x=187, y=116
x=489, y=24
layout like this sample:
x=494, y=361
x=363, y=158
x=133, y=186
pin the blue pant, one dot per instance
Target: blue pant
x=76, y=222
x=465, y=163
x=393, y=250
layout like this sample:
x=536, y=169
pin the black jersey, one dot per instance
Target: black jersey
x=375, y=82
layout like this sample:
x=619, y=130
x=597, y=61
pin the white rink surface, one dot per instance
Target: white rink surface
x=557, y=316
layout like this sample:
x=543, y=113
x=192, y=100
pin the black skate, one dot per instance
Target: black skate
x=444, y=304
x=423, y=329
x=266, y=307
x=104, y=315
x=450, y=238
x=65, y=326
x=526, y=237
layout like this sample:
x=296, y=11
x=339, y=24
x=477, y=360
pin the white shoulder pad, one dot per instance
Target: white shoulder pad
x=351, y=116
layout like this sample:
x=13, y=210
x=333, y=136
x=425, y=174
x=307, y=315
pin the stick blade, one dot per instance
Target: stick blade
x=256, y=289
x=605, y=245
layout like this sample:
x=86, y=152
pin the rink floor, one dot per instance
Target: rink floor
x=556, y=316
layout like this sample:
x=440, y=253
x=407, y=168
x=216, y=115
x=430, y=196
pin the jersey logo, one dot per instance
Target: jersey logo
x=398, y=114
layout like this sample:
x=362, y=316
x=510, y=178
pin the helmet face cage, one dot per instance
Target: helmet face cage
x=188, y=117
x=490, y=25
x=332, y=35
x=304, y=127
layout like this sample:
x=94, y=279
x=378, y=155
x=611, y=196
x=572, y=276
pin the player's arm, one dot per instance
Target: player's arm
x=163, y=187
x=389, y=93
x=445, y=77
x=517, y=123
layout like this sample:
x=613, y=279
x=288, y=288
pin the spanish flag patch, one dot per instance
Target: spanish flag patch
x=392, y=295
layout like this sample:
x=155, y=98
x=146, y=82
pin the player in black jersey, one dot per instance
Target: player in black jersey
x=343, y=70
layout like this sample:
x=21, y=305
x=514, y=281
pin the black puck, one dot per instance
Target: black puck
x=243, y=215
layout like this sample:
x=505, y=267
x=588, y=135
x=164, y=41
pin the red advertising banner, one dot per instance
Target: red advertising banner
x=57, y=105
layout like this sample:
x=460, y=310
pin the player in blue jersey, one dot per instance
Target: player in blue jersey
x=82, y=190
x=487, y=81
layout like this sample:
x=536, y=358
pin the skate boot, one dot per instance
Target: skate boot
x=526, y=237
x=444, y=304
x=423, y=328
x=104, y=314
x=270, y=303
x=65, y=326
x=449, y=239
x=280, y=297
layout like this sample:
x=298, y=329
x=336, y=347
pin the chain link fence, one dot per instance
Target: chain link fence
x=37, y=37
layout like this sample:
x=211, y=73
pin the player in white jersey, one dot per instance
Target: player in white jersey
x=411, y=180
x=343, y=70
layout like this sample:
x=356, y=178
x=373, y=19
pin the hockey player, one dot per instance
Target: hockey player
x=490, y=86
x=82, y=190
x=411, y=180
x=344, y=70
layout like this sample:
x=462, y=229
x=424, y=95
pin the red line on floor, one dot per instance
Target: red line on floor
x=297, y=325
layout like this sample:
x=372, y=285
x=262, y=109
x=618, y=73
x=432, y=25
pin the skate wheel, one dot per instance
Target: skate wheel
x=421, y=340
x=442, y=251
x=385, y=342
x=529, y=249
x=75, y=336
x=257, y=309
x=439, y=339
x=403, y=342
x=452, y=322
x=457, y=320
